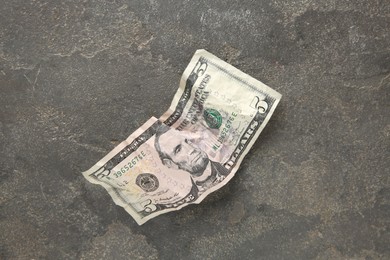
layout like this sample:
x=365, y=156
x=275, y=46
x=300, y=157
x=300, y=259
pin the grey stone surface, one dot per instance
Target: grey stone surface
x=77, y=77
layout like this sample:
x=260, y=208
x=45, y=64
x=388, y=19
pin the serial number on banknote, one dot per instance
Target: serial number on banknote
x=133, y=162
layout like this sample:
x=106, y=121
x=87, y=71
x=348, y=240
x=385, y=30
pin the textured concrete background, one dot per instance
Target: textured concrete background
x=77, y=77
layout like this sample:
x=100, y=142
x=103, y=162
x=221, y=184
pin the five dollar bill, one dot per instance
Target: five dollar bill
x=194, y=148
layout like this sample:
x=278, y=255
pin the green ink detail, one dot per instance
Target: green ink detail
x=213, y=118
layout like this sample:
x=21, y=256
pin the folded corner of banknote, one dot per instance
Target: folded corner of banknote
x=195, y=147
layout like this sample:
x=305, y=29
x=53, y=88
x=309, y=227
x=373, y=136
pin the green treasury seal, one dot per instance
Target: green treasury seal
x=213, y=118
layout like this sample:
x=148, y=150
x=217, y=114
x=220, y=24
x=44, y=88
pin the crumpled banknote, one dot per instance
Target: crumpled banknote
x=194, y=148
